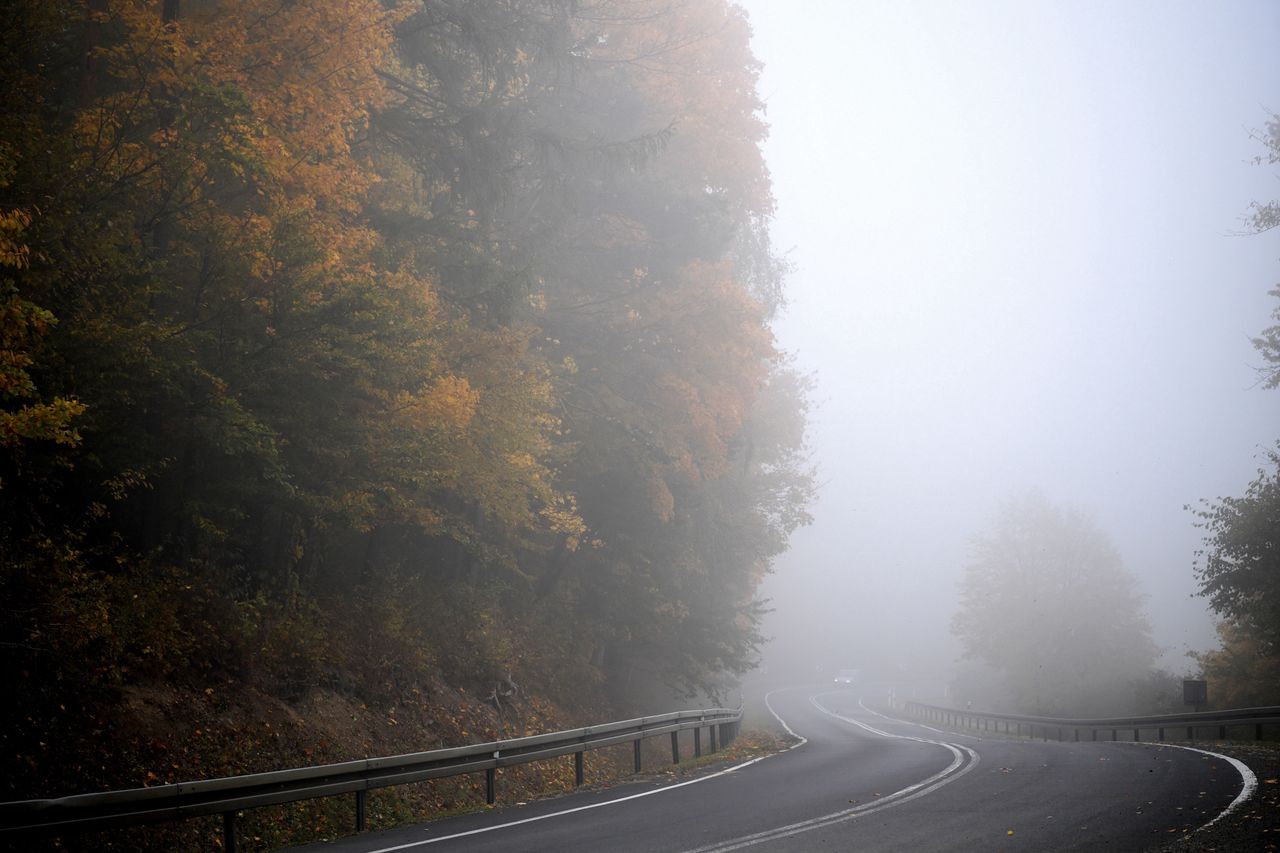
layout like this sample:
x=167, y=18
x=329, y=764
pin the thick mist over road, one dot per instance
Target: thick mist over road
x=1017, y=267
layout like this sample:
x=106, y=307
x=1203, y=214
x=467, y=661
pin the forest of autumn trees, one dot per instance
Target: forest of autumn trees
x=359, y=343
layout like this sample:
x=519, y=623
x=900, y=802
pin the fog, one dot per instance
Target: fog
x=1018, y=266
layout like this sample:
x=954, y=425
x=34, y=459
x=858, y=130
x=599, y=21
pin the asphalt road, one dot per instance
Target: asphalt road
x=861, y=781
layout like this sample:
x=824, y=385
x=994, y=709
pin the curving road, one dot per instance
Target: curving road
x=861, y=781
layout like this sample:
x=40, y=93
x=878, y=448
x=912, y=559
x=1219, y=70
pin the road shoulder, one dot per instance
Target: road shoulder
x=1255, y=825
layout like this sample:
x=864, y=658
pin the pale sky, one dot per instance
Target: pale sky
x=1013, y=226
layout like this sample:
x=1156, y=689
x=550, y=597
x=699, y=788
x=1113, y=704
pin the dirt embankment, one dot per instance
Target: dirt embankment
x=154, y=734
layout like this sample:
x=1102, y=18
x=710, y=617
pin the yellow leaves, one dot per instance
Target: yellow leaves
x=308, y=69
x=561, y=515
x=426, y=518
x=449, y=401
x=485, y=437
x=21, y=322
x=699, y=76
x=1239, y=672
x=521, y=461
x=242, y=92
x=13, y=253
x=47, y=421
x=661, y=500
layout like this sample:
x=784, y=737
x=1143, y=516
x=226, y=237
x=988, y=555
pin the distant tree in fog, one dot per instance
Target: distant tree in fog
x=1265, y=215
x=1046, y=601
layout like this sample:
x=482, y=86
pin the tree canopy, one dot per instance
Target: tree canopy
x=1046, y=601
x=1238, y=568
x=445, y=322
x=1265, y=216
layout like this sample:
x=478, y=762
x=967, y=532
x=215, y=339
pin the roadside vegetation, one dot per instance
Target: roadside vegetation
x=1239, y=567
x=377, y=376
x=1047, y=604
x=1049, y=617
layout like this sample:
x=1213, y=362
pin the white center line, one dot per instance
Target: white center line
x=955, y=770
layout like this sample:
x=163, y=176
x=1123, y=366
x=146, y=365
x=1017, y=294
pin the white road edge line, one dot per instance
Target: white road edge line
x=649, y=793
x=1248, y=781
x=801, y=740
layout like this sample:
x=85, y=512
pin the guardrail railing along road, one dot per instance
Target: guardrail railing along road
x=229, y=795
x=1163, y=726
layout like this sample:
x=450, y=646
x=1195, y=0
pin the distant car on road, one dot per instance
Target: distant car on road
x=846, y=676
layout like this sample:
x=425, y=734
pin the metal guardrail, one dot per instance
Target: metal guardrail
x=226, y=796
x=1160, y=725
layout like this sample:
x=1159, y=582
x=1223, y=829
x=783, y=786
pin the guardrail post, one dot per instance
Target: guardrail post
x=1160, y=733
x=1191, y=735
x=636, y=749
x=1077, y=735
x=1136, y=735
x=697, y=743
x=491, y=785
x=1019, y=729
x=675, y=747
x=1222, y=732
x=361, y=798
x=577, y=768
x=1113, y=734
x=229, y=832
x=712, y=731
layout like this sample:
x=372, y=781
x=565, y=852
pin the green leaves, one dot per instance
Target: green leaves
x=1239, y=568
